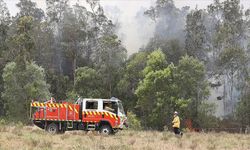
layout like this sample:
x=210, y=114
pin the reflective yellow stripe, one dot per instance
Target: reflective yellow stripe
x=57, y=105
x=87, y=113
x=90, y=113
x=76, y=111
x=42, y=104
x=61, y=105
x=70, y=107
x=98, y=113
x=65, y=105
x=106, y=114
x=111, y=115
x=94, y=113
x=53, y=105
x=49, y=105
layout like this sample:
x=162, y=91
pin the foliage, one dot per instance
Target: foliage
x=72, y=96
x=191, y=83
x=242, y=110
x=131, y=76
x=82, y=55
x=73, y=35
x=169, y=29
x=59, y=85
x=20, y=87
x=88, y=83
x=4, y=27
x=167, y=88
x=109, y=59
x=205, y=117
x=134, y=122
x=232, y=59
x=228, y=49
x=22, y=44
x=28, y=8
x=196, y=35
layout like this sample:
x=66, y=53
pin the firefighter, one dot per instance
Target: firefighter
x=108, y=107
x=176, y=124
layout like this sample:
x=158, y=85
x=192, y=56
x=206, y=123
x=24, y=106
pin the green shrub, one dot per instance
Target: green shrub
x=133, y=122
x=3, y=122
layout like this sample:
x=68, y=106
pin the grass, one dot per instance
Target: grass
x=28, y=138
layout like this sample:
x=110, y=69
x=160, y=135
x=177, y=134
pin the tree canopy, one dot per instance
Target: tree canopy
x=195, y=59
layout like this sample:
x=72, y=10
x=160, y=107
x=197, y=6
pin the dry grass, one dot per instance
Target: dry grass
x=28, y=138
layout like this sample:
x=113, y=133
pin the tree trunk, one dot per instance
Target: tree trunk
x=74, y=69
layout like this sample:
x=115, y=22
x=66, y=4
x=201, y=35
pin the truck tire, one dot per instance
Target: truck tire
x=106, y=130
x=52, y=128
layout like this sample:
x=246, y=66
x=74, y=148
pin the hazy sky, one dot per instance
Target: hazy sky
x=127, y=10
x=129, y=5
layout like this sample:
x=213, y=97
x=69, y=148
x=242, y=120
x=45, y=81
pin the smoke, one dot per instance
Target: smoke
x=171, y=23
x=145, y=26
x=134, y=28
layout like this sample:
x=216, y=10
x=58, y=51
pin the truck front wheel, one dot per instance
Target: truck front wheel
x=52, y=128
x=106, y=130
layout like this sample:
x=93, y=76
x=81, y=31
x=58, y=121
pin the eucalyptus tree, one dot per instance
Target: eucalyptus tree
x=196, y=35
x=169, y=32
x=5, y=21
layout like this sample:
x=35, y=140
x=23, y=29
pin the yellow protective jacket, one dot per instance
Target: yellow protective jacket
x=176, y=122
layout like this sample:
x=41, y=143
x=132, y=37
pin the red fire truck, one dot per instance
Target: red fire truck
x=104, y=115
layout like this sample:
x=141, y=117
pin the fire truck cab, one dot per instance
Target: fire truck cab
x=104, y=115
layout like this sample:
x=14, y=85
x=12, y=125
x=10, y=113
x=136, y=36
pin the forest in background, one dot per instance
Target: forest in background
x=70, y=51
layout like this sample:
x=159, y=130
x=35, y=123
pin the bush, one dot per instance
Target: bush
x=21, y=85
x=134, y=122
x=3, y=122
x=205, y=118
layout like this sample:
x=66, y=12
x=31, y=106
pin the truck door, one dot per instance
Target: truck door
x=90, y=113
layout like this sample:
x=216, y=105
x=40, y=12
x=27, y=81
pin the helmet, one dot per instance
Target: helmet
x=176, y=113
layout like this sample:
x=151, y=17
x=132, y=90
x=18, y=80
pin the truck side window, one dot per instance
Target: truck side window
x=91, y=104
x=110, y=106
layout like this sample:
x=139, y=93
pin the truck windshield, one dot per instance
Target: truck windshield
x=121, y=107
